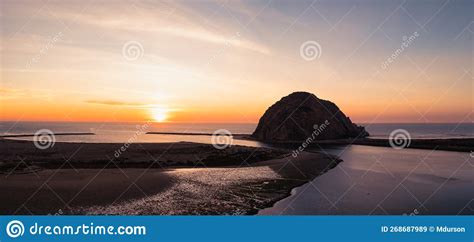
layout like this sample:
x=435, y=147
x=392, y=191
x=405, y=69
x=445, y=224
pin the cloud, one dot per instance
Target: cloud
x=207, y=36
x=115, y=103
x=21, y=93
x=6, y=91
x=10, y=93
x=172, y=19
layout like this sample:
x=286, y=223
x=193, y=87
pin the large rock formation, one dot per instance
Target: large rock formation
x=301, y=115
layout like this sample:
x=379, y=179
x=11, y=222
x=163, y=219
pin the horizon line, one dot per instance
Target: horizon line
x=181, y=122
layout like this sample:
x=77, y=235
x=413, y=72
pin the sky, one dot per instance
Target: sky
x=228, y=61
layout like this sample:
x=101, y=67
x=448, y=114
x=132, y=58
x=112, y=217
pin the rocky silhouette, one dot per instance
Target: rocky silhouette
x=302, y=115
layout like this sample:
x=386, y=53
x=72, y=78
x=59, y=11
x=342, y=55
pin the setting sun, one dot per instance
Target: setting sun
x=159, y=114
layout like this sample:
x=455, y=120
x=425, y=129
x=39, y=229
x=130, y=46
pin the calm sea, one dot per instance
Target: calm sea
x=127, y=132
x=121, y=132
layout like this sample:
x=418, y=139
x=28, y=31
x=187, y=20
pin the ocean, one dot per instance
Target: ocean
x=121, y=132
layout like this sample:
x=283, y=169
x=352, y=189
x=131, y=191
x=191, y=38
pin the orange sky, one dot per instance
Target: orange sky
x=196, y=62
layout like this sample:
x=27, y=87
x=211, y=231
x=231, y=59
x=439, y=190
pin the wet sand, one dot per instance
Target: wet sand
x=165, y=178
x=59, y=191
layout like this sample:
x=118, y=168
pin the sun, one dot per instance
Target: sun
x=159, y=114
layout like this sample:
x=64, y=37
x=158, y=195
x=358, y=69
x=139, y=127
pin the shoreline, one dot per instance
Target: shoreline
x=32, y=135
x=181, y=178
x=375, y=174
x=197, y=134
x=447, y=144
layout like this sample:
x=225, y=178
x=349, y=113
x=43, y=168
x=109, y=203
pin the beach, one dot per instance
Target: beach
x=151, y=178
x=179, y=171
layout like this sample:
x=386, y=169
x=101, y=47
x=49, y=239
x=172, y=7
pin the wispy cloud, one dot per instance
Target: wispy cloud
x=172, y=19
x=203, y=35
x=9, y=93
x=116, y=103
x=21, y=93
x=111, y=102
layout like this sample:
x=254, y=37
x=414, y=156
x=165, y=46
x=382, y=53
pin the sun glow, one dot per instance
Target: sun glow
x=160, y=114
